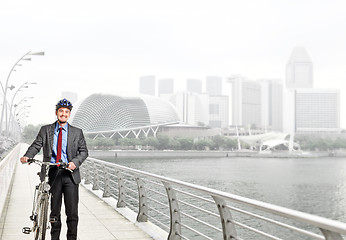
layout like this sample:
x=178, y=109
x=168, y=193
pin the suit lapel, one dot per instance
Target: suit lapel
x=51, y=135
x=69, y=141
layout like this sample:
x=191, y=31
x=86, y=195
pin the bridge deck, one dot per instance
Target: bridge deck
x=98, y=220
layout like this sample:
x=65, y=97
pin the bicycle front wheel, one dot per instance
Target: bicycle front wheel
x=42, y=218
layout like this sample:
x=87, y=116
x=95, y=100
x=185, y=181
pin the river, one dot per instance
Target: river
x=311, y=185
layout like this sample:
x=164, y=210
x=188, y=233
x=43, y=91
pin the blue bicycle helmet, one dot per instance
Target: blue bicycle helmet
x=64, y=103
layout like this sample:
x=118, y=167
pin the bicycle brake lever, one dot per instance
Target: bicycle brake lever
x=64, y=165
x=30, y=160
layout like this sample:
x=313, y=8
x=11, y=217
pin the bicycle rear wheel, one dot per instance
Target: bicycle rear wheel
x=42, y=218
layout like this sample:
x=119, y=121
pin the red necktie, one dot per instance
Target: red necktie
x=58, y=153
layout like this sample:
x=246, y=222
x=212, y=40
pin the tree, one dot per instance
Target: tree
x=150, y=141
x=185, y=143
x=174, y=144
x=129, y=142
x=218, y=141
x=29, y=132
x=231, y=144
x=201, y=144
x=100, y=143
x=163, y=142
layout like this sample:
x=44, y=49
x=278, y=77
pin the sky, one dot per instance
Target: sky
x=106, y=46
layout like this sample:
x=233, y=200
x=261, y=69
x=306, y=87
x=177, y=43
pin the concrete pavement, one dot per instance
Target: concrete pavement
x=98, y=220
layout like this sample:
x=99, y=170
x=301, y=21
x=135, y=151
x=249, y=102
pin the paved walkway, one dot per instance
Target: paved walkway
x=98, y=220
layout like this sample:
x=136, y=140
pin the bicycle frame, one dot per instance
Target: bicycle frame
x=41, y=201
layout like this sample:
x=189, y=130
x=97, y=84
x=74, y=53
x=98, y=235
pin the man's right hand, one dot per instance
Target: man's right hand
x=24, y=159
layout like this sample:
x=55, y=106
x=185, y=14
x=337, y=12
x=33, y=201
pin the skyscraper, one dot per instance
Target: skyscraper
x=308, y=109
x=246, y=102
x=213, y=85
x=191, y=107
x=272, y=103
x=218, y=111
x=147, y=85
x=317, y=110
x=166, y=86
x=194, y=85
x=299, y=69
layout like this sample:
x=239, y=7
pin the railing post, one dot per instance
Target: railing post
x=329, y=235
x=87, y=174
x=175, y=228
x=107, y=188
x=142, y=197
x=121, y=187
x=228, y=227
x=96, y=178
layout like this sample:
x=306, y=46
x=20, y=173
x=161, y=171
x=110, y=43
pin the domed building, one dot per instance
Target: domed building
x=107, y=113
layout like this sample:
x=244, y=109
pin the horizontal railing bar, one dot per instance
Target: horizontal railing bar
x=134, y=199
x=311, y=234
x=155, y=183
x=127, y=174
x=158, y=202
x=200, y=209
x=158, y=222
x=130, y=190
x=317, y=221
x=161, y=213
x=196, y=196
x=158, y=193
x=200, y=221
x=183, y=237
x=255, y=230
x=115, y=195
x=195, y=231
x=130, y=182
x=114, y=183
x=113, y=188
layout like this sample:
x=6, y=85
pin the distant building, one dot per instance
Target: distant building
x=147, y=85
x=299, y=69
x=166, y=86
x=194, y=85
x=218, y=111
x=246, y=102
x=272, y=104
x=308, y=110
x=192, y=108
x=213, y=86
x=101, y=113
x=317, y=110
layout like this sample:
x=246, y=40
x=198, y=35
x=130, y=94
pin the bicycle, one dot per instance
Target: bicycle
x=39, y=214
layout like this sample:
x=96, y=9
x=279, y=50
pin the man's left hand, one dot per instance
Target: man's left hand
x=71, y=166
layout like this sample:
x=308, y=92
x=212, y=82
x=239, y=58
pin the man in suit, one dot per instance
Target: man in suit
x=61, y=142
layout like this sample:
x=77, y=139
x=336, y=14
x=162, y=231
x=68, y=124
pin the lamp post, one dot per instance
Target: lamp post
x=8, y=119
x=16, y=119
x=4, y=88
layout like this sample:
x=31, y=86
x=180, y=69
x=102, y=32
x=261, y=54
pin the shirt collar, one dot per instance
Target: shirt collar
x=57, y=126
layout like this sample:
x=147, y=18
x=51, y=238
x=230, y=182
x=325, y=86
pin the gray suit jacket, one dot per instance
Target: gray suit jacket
x=77, y=150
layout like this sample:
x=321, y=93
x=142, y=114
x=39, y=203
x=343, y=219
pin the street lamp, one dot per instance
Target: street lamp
x=17, y=117
x=4, y=88
x=8, y=119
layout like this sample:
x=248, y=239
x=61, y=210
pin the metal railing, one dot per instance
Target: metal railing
x=189, y=211
x=7, y=167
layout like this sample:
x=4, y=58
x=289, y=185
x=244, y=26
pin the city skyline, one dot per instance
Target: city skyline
x=104, y=47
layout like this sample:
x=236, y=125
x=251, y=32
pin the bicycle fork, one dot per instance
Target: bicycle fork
x=34, y=213
x=33, y=217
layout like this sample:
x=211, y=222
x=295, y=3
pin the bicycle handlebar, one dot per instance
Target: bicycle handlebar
x=60, y=164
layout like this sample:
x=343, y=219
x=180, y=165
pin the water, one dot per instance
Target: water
x=311, y=185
